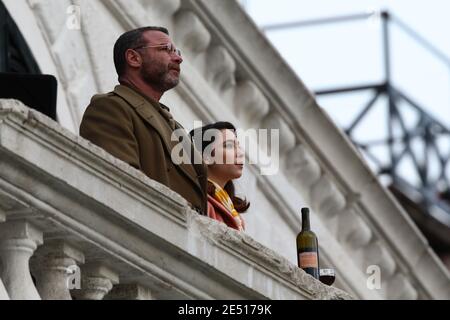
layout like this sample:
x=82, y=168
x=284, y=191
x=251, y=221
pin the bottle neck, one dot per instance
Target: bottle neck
x=305, y=221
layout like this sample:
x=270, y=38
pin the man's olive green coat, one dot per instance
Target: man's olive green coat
x=138, y=130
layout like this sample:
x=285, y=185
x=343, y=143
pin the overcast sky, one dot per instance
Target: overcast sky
x=348, y=54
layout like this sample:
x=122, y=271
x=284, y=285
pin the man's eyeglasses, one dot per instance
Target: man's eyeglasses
x=169, y=47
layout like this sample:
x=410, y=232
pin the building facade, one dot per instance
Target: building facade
x=65, y=202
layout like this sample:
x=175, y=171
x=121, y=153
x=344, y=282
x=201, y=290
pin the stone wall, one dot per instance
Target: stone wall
x=231, y=72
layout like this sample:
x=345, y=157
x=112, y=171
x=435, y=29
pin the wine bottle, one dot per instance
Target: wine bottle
x=308, y=247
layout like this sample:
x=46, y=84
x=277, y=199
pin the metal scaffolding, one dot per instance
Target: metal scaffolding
x=431, y=192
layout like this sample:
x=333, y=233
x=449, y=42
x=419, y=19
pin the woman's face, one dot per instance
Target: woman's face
x=228, y=159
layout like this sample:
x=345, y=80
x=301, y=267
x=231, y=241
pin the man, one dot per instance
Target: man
x=131, y=123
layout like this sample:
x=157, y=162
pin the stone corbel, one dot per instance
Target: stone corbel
x=399, y=288
x=376, y=254
x=53, y=265
x=326, y=199
x=286, y=137
x=302, y=169
x=250, y=103
x=18, y=241
x=164, y=8
x=190, y=33
x=352, y=230
x=222, y=67
x=129, y=292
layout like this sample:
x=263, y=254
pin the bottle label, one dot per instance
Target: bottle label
x=308, y=260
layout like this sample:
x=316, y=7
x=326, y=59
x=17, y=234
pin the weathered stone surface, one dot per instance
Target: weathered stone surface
x=148, y=240
x=129, y=292
x=96, y=281
x=18, y=241
x=53, y=265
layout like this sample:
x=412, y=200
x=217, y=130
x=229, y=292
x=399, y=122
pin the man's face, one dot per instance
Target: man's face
x=160, y=68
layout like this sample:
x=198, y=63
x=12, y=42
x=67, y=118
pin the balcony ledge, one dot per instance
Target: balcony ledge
x=72, y=191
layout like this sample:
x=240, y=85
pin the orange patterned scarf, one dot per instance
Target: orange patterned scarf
x=222, y=196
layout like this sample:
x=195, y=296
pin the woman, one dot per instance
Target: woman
x=225, y=161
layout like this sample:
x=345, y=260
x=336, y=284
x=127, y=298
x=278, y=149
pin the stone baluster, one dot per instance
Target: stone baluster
x=96, y=282
x=3, y=294
x=54, y=266
x=129, y=292
x=250, y=103
x=18, y=241
x=222, y=67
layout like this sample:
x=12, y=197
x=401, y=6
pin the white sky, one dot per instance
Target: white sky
x=345, y=54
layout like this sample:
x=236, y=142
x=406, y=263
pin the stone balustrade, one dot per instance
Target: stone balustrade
x=76, y=223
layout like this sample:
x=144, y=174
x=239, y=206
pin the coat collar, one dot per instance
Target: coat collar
x=147, y=109
x=226, y=215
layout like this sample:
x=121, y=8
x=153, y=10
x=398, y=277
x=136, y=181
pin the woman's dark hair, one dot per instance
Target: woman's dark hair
x=241, y=205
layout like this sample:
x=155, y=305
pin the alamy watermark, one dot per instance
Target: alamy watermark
x=73, y=280
x=73, y=20
x=374, y=280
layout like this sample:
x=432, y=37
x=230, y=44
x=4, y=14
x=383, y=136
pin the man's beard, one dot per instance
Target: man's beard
x=158, y=77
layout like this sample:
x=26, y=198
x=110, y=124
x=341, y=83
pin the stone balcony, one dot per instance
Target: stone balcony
x=67, y=207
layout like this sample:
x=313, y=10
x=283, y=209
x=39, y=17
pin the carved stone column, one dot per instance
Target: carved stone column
x=53, y=265
x=18, y=241
x=96, y=281
x=3, y=294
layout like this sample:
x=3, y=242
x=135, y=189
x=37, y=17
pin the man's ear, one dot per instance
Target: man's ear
x=133, y=58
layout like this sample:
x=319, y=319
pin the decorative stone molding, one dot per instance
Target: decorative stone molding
x=376, y=254
x=352, y=231
x=129, y=292
x=221, y=67
x=250, y=104
x=18, y=241
x=147, y=233
x=165, y=8
x=190, y=33
x=69, y=52
x=399, y=288
x=287, y=137
x=326, y=199
x=262, y=258
x=302, y=169
x=53, y=16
